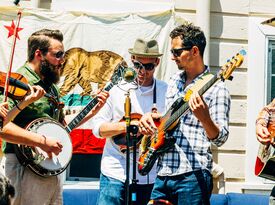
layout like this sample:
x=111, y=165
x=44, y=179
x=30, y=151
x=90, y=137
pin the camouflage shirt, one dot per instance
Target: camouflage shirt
x=44, y=107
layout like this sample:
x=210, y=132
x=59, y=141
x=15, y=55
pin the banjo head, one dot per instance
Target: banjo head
x=51, y=130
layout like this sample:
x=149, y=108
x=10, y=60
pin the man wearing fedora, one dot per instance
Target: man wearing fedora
x=147, y=94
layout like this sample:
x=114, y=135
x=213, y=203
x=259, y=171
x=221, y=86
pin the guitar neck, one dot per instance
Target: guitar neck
x=86, y=110
x=184, y=107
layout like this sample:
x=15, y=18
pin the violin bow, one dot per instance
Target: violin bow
x=15, y=33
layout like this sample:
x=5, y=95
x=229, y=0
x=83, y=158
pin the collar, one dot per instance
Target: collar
x=33, y=77
x=147, y=90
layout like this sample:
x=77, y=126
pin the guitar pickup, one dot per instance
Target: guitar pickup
x=230, y=78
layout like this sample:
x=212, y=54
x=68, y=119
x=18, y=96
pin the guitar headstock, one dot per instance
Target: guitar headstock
x=235, y=62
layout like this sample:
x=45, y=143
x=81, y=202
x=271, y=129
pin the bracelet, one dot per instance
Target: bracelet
x=16, y=105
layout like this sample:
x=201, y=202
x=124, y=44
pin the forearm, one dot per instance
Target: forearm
x=111, y=129
x=212, y=129
x=265, y=114
x=17, y=135
x=16, y=110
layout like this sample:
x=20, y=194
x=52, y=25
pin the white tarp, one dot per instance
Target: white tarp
x=114, y=32
x=91, y=31
x=113, y=6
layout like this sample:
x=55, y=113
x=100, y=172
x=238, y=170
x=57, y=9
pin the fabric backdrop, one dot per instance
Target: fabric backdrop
x=89, y=32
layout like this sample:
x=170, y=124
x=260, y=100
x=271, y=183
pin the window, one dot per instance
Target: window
x=271, y=71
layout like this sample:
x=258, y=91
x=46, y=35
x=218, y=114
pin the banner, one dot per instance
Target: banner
x=94, y=45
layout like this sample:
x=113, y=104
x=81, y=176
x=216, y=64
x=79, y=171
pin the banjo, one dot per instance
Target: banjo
x=36, y=159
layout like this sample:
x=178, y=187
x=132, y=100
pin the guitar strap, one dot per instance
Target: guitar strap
x=154, y=108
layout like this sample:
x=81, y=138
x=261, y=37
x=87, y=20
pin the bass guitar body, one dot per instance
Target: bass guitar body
x=152, y=147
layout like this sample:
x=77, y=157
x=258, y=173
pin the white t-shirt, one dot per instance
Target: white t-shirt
x=113, y=163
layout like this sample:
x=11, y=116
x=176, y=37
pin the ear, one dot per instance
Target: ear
x=157, y=61
x=38, y=54
x=195, y=51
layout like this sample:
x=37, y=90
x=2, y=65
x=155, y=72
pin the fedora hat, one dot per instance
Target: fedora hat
x=145, y=48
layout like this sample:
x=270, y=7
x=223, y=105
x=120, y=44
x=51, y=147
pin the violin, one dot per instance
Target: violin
x=18, y=87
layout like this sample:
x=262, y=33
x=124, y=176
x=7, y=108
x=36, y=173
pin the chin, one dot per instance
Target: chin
x=140, y=82
x=180, y=67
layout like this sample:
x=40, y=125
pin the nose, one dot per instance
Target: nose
x=62, y=60
x=141, y=70
x=173, y=57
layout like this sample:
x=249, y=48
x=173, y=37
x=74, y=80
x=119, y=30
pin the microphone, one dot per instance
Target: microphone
x=16, y=2
x=129, y=75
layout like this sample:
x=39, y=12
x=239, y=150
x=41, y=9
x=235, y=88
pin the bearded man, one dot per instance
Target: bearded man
x=45, y=59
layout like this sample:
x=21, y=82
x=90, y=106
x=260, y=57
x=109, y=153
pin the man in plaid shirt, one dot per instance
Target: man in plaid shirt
x=266, y=116
x=184, y=171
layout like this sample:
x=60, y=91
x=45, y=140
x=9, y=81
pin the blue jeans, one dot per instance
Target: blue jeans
x=189, y=188
x=112, y=192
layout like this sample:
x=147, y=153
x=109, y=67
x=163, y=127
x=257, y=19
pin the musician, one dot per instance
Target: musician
x=45, y=58
x=184, y=170
x=263, y=135
x=36, y=92
x=146, y=93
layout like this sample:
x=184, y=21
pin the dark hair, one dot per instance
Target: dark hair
x=191, y=36
x=6, y=191
x=41, y=40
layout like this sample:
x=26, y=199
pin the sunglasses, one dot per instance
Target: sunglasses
x=148, y=66
x=178, y=51
x=58, y=55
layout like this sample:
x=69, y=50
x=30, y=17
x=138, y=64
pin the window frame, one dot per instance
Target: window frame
x=271, y=46
x=259, y=37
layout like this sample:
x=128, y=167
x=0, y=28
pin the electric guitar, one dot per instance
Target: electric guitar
x=153, y=146
x=265, y=161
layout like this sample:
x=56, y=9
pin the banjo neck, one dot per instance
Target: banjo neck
x=86, y=110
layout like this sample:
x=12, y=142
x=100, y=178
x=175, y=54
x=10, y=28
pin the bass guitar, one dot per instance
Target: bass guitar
x=153, y=146
x=265, y=161
x=36, y=159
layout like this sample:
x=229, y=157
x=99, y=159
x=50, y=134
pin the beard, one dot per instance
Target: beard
x=50, y=72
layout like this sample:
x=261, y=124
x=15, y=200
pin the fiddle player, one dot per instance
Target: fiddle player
x=184, y=171
x=147, y=94
x=263, y=135
x=45, y=58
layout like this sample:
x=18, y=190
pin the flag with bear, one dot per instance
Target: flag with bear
x=94, y=45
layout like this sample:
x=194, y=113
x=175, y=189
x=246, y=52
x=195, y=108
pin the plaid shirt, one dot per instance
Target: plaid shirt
x=266, y=113
x=192, y=149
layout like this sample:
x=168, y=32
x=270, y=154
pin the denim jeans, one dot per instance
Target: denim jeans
x=189, y=188
x=112, y=192
x=272, y=197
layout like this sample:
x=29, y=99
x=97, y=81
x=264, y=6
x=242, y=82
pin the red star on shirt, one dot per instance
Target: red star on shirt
x=11, y=30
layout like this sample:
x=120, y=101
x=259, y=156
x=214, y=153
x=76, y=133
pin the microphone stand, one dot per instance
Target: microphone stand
x=127, y=108
x=131, y=132
x=134, y=131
